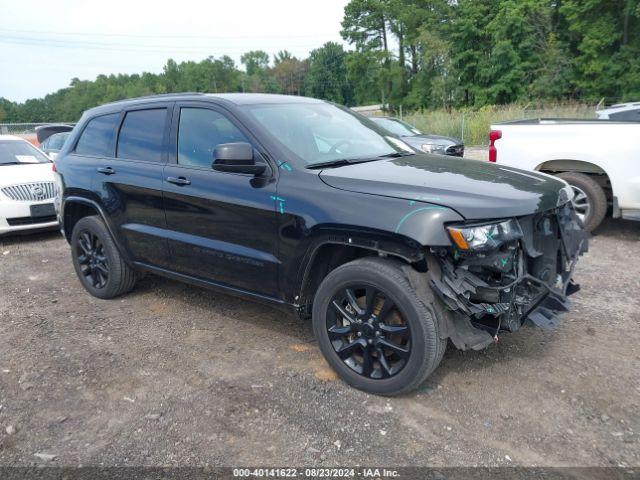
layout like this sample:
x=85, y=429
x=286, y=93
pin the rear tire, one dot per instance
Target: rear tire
x=591, y=209
x=100, y=268
x=392, y=349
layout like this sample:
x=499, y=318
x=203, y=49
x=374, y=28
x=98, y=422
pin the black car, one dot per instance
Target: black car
x=309, y=207
x=422, y=142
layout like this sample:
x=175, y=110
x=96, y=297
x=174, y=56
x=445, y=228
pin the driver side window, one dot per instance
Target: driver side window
x=200, y=131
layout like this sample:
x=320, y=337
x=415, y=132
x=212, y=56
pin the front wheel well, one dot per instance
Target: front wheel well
x=327, y=258
x=554, y=167
x=73, y=212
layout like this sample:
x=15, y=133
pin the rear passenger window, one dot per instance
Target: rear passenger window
x=200, y=131
x=97, y=135
x=141, y=135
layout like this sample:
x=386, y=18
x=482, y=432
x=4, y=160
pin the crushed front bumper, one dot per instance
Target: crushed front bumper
x=527, y=280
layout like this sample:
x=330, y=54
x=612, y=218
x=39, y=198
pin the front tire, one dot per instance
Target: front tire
x=100, y=268
x=373, y=329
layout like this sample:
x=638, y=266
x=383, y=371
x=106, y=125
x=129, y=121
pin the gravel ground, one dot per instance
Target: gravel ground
x=176, y=375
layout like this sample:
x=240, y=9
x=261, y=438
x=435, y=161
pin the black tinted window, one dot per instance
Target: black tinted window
x=200, y=132
x=97, y=135
x=628, y=116
x=141, y=135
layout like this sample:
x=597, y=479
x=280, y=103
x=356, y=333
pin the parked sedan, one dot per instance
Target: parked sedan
x=27, y=187
x=421, y=141
x=53, y=144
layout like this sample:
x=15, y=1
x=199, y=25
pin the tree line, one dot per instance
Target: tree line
x=414, y=53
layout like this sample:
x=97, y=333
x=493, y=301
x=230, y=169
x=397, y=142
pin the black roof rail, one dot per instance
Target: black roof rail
x=157, y=95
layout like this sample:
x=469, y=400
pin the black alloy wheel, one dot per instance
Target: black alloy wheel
x=94, y=265
x=368, y=331
x=373, y=327
x=102, y=271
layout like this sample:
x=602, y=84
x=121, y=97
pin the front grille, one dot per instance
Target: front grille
x=31, y=192
x=455, y=150
x=15, y=222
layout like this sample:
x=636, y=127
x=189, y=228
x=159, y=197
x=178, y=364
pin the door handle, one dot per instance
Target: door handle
x=178, y=181
x=106, y=170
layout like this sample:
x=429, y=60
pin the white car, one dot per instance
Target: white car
x=27, y=187
x=598, y=158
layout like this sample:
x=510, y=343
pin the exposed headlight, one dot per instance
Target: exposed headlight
x=484, y=237
x=433, y=148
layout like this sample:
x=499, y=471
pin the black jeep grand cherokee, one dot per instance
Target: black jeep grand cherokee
x=307, y=206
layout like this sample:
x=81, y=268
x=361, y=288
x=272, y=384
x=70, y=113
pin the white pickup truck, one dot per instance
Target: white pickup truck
x=600, y=159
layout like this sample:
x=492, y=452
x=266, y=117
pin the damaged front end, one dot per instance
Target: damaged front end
x=498, y=276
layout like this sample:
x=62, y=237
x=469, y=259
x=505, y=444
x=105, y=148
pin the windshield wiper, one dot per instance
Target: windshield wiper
x=11, y=163
x=398, y=154
x=339, y=162
x=350, y=161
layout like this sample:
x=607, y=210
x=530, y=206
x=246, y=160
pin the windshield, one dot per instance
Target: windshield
x=397, y=127
x=322, y=132
x=16, y=152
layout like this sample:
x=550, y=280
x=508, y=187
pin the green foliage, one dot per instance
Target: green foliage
x=255, y=61
x=67, y=104
x=365, y=24
x=290, y=73
x=364, y=73
x=552, y=74
x=602, y=33
x=327, y=75
x=434, y=54
x=485, y=52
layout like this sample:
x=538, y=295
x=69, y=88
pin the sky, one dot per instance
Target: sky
x=44, y=44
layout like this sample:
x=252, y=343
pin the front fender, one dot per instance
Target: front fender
x=425, y=223
x=406, y=238
x=312, y=214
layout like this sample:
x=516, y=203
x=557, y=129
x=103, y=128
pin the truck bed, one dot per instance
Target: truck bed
x=608, y=151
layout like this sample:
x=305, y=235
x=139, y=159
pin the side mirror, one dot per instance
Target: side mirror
x=236, y=158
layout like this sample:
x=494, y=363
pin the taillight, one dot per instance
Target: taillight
x=53, y=167
x=493, y=151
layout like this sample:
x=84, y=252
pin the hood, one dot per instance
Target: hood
x=25, y=173
x=435, y=139
x=476, y=190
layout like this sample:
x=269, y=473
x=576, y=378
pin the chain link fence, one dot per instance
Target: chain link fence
x=25, y=130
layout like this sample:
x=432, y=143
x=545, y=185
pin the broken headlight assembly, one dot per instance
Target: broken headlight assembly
x=482, y=238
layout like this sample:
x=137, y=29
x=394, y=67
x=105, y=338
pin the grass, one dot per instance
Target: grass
x=476, y=123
